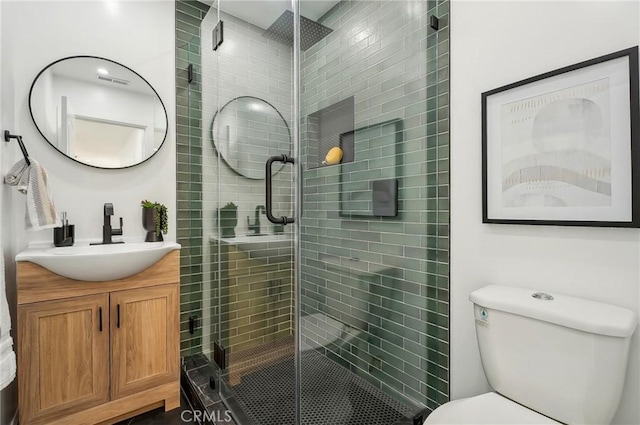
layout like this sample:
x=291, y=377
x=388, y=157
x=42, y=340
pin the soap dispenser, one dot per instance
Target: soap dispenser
x=65, y=235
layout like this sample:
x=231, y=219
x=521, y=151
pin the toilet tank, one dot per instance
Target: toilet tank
x=561, y=356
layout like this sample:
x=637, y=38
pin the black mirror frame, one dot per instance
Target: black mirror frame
x=166, y=116
x=213, y=141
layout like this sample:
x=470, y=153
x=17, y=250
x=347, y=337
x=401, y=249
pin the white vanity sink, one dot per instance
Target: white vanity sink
x=261, y=246
x=98, y=263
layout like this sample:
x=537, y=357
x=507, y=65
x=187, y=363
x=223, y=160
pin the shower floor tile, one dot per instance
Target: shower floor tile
x=331, y=395
x=260, y=387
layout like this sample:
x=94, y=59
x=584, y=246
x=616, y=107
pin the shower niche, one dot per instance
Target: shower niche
x=330, y=129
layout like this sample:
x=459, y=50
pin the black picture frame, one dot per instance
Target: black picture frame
x=540, y=155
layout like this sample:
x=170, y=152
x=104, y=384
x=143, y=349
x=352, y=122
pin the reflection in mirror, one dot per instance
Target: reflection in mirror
x=246, y=132
x=98, y=112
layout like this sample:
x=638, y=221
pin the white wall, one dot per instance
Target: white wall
x=8, y=396
x=493, y=44
x=138, y=34
x=34, y=34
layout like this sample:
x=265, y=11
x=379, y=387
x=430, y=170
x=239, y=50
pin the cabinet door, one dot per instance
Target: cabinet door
x=144, y=339
x=63, y=357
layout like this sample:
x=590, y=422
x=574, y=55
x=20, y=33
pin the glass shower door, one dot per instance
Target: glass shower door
x=373, y=326
x=247, y=119
x=340, y=317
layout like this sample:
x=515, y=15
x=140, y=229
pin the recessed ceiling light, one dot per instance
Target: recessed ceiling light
x=103, y=71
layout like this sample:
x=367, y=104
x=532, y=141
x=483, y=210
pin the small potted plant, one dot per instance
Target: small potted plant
x=154, y=220
x=228, y=219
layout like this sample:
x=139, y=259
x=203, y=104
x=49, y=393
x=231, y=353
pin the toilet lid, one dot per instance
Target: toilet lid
x=489, y=408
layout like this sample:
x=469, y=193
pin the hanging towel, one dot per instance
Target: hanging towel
x=32, y=181
x=7, y=356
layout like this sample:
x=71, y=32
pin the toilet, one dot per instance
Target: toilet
x=550, y=359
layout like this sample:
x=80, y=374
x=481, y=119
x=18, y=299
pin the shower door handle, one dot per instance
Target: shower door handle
x=285, y=160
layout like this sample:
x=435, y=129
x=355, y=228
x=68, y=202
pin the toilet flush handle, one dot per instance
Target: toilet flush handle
x=542, y=296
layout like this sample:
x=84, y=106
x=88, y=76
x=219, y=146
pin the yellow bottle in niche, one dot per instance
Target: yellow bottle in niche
x=334, y=156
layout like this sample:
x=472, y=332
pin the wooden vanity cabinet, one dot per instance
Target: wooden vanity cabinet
x=66, y=367
x=109, y=352
x=143, y=339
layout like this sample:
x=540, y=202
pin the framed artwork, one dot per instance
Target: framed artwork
x=561, y=148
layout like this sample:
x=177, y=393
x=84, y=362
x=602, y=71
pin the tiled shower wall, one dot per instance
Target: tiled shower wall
x=189, y=15
x=385, y=279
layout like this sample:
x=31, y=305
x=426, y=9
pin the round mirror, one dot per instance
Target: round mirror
x=246, y=132
x=98, y=112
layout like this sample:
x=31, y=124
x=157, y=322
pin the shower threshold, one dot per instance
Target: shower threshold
x=259, y=389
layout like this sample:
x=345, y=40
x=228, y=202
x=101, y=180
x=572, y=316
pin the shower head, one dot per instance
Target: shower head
x=310, y=31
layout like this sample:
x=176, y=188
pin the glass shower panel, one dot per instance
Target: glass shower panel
x=247, y=119
x=341, y=317
x=373, y=336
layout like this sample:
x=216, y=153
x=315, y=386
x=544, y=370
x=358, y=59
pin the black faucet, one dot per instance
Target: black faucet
x=107, y=231
x=255, y=227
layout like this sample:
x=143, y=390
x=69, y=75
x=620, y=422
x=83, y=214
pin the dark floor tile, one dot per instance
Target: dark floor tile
x=221, y=414
x=160, y=417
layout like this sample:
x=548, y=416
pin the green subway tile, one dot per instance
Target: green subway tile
x=388, y=303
